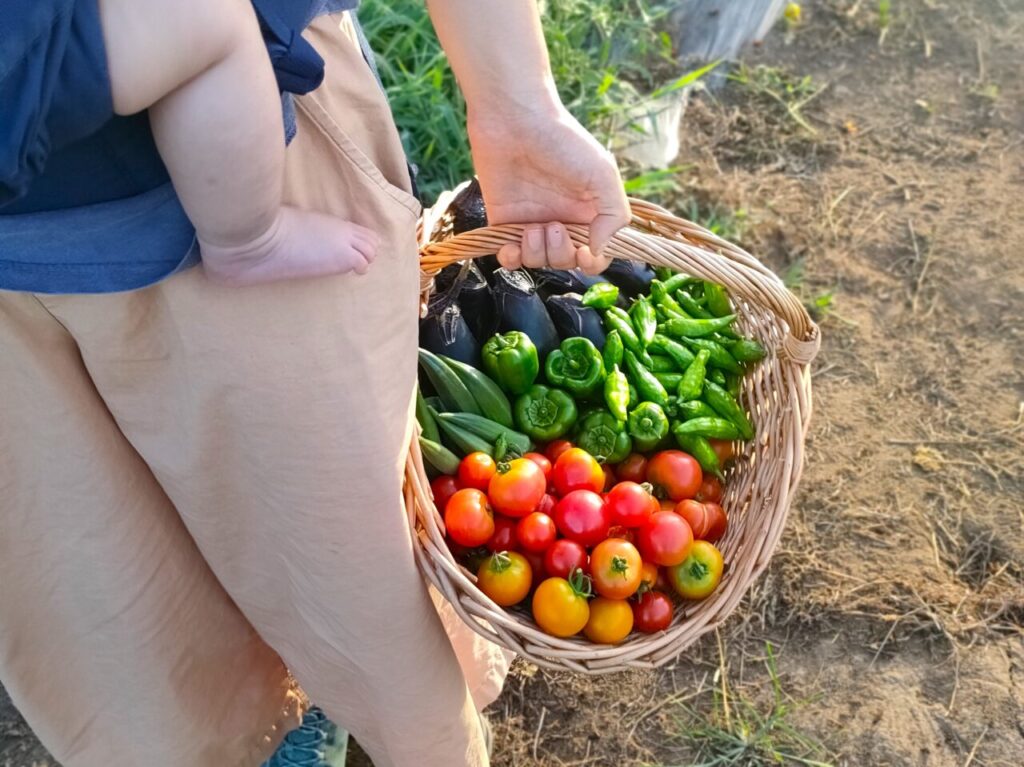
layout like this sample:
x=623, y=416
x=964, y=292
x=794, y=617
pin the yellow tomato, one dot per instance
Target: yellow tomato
x=560, y=608
x=610, y=621
x=697, y=575
x=505, y=577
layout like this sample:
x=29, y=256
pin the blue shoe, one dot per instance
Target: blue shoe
x=317, y=742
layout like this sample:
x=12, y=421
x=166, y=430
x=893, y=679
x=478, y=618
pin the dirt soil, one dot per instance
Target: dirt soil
x=894, y=608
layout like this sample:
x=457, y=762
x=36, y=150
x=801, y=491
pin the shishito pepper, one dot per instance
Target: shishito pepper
x=601, y=296
x=718, y=428
x=603, y=436
x=687, y=328
x=693, y=379
x=647, y=384
x=717, y=299
x=645, y=321
x=617, y=320
x=544, y=413
x=679, y=353
x=647, y=425
x=576, y=365
x=612, y=351
x=700, y=449
x=746, y=350
x=511, y=360
x=720, y=357
x=616, y=393
x=663, y=298
x=727, y=407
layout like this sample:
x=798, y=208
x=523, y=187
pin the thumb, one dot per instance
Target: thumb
x=613, y=215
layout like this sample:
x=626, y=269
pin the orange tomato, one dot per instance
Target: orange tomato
x=615, y=567
x=610, y=621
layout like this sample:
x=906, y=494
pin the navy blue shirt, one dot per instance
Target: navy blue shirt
x=86, y=204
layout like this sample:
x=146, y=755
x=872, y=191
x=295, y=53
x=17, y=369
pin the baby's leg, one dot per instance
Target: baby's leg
x=202, y=70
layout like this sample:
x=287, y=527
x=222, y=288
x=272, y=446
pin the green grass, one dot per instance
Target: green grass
x=791, y=93
x=742, y=732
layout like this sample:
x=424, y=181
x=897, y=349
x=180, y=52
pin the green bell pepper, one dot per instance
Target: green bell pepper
x=511, y=360
x=648, y=425
x=544, y=413
x=603, y=436
x=576, y=365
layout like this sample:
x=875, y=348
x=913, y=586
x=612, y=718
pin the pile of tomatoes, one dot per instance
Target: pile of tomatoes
x=600, y=548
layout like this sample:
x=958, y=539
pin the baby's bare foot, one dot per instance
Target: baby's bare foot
x=300, y=243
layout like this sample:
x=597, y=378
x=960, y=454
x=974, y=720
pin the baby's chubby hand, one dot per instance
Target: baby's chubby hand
x=299, y=243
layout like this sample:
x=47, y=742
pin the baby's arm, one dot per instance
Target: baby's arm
x=202, y=70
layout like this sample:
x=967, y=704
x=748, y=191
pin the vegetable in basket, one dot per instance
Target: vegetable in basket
x=576, y=366
x=468, y=209
x=544, y=413
x=520, y=308
x=557, y=282
x=632, y=277
x=603, y=436
x=616, y=393
x=444, y=331
x=487, y=430
x=511, y=359
x=489, y=397
x=647, y=425
x=477, y=303
x=602, y=295
x=647, y=384
x=692, y=384
x=573, y=319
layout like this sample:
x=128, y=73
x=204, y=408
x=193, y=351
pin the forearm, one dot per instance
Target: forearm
x=497, y=51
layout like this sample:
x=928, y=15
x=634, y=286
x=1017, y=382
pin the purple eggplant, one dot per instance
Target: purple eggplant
x=572, y=318
x=631, y=277
x=520, y=308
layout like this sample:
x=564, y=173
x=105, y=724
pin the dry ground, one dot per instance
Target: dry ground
x=895, y=606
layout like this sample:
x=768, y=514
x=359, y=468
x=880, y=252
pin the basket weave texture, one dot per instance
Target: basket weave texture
x=760, y=483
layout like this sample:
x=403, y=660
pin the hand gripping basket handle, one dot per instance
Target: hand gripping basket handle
x=657, y=237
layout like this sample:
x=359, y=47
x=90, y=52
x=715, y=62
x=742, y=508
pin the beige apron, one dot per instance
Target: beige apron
x=200, y=488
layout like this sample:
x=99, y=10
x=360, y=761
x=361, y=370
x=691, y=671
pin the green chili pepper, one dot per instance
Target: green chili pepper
x=685, y=328
x=680, y=280
x=717, y=299
x=603, y=436
x=644, y=320
x=717, y=376
x=746, y=350
x=719, y=428
x=648, y=425
x=733, y=385
x=511, y=360
x=663, y=364
x=700, y=449
x=720, y=357
x=649, y=387
x=616, y=393
x=576, y=365
x=693, y=379
x=663, y=299
x=601, y=296
x=727, y=407
x=696, y=408
x=618, y=320
x=612, y=352
x=544, y=413
x=679, y=353
x=664, y=313
x=634, y=396
x=669, y=380
x=694, y=309
x=663, y=273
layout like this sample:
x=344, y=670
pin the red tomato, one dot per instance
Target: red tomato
x=504, y=538
x=556, y=448
x=724, y=449
x=476, y=470
x=577, y=469
x=630, y=504
x=536, y=566
x=652, y=612
x=666, y=504
x=582, y=516
x=625, y=533
x=536, y=532
x=710, y=490
x=696, y=516
x=615, y=568
x=547, y=504
x=541, y=460
x=468, y=518
x=718, y=523
x=564, y=558
x=609, y=477
x=665, y=539
x=516, y=488
x=633, y=469
x=677, y=474
x=443, y=488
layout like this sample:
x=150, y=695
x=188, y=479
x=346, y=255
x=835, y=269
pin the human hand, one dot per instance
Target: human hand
x=300, y=243
x=542, y=168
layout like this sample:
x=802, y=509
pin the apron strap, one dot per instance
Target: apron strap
x=298, y=67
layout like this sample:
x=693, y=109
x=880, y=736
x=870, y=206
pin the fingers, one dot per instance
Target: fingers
x=533, y=246
x=589, y=263
x=561, y=251
x=510, y=256
x=541, y=246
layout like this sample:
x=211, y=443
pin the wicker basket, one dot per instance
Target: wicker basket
x=760, y=483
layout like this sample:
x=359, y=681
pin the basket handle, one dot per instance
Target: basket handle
x=657, y=237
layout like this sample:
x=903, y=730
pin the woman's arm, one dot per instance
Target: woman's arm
x=536, y=164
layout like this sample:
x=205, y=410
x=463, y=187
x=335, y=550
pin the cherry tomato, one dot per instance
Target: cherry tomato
x=564, y=558
x=541, y=460
x=505, y=577
x=468, y=518
x=696, y=516
x=582, y=516
x=718, y=523
x=625, y=533
x=699, y=573
x=666, y=504
x=633, y=469
x=516, y=488
x=476, y=470
x=536, y=566
x=610, y=621
x=547, y=504
x=677, y=473
x=560, y=607
x=577, y=469
x=504, y=537
x=665, y=539
x=724, y=449
x=556, y=448
x=615, y=568
x=652, y=612
x=710, y=490
x=443, y=488
x=648, y=576
x=609, y=477
x=630, y=504
x=536, y=532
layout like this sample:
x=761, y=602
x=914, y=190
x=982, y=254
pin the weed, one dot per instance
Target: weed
x=740, y=732
x=884, y=13
x=790, y=92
